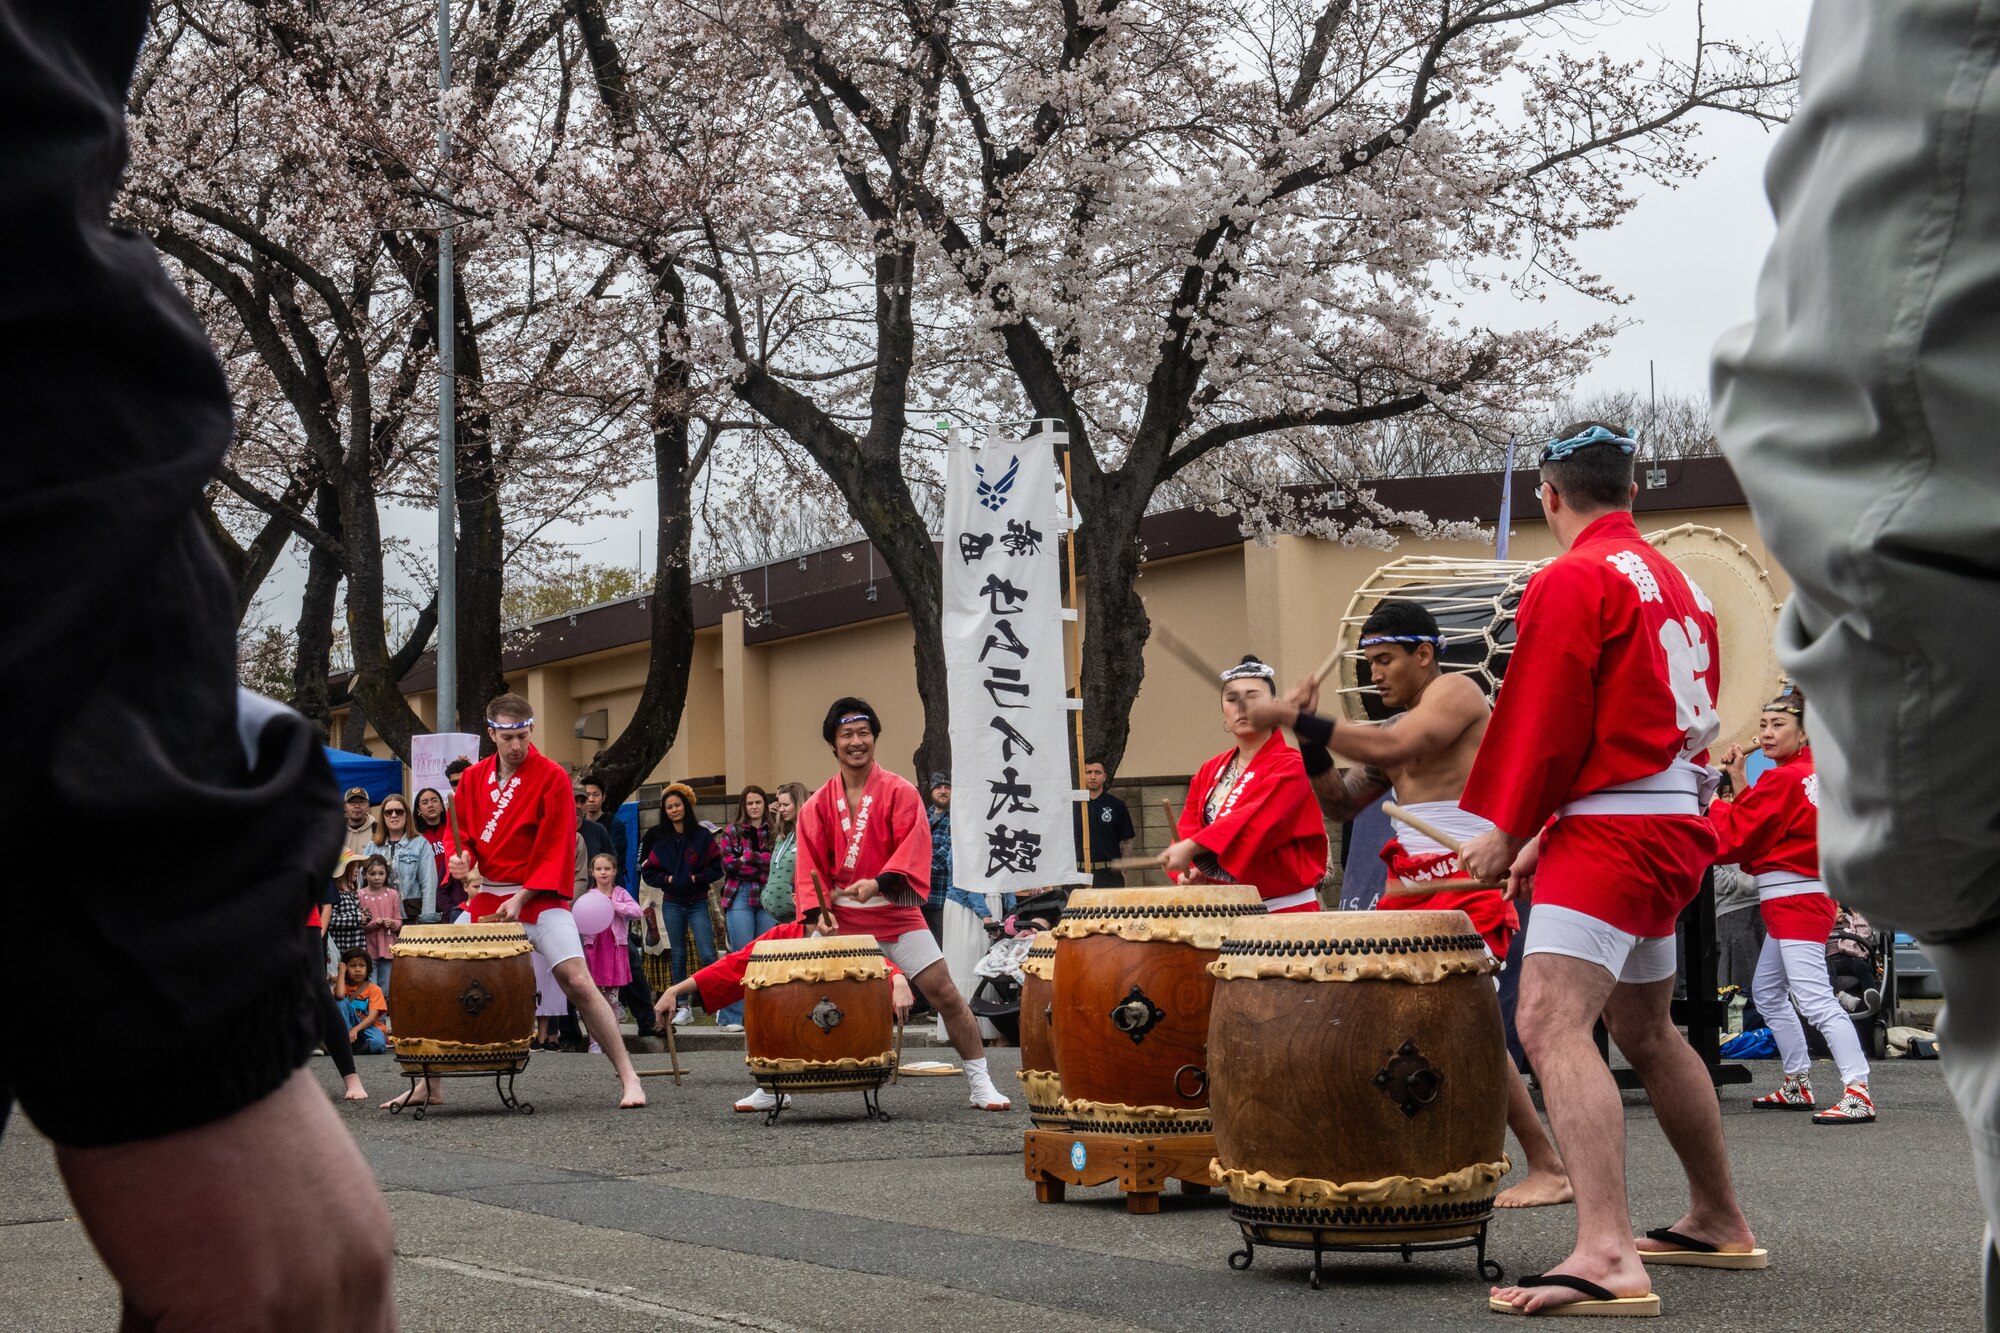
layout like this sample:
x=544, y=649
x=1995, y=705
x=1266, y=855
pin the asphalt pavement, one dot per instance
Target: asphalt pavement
x=686, y=1215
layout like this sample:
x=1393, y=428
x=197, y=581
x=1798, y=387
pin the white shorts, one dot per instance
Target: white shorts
x=912, y=951
x=1635, y=960
x=552, y=935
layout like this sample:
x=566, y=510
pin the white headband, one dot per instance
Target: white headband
x=1252, y=670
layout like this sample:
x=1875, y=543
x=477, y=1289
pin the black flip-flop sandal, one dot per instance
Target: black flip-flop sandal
x=1599, y=1303
x=1690, y=1252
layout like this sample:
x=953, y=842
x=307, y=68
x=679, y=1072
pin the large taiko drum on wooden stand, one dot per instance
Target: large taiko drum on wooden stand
x=818, y=1017
x=1357, y=1079
x=1130, y=1004
x=1039, y=1079
x=1475, y=602
x=463, y=1004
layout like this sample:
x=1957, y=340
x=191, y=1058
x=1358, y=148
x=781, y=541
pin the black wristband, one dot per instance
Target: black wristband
x=1314, y=729
x=1318, y=758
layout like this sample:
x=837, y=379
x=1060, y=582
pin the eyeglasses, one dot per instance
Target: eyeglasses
x=388, y=810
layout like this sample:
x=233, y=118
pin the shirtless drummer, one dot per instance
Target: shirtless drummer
x=1420, y=757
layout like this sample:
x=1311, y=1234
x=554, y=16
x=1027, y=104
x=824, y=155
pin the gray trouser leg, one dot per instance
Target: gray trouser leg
x=1859, y=410
x=1969, y=1042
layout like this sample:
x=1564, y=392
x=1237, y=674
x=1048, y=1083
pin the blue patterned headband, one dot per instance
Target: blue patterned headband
x=1556, y=450
x=522, y=725
x=1434, y=640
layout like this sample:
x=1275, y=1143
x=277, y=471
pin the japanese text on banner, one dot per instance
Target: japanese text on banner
x=1011, y=781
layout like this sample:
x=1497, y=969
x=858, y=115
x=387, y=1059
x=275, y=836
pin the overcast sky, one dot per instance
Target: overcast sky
x=1687, y=257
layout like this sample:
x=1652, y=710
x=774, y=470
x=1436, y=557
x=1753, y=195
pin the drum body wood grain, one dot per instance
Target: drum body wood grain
x=1130, y=1004
x=817, y=1014
x=1039, y=1079
x=464, y=997
x=1358, y=1078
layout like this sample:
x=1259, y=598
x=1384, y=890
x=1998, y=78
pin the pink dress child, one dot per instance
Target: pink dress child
x=605, y=953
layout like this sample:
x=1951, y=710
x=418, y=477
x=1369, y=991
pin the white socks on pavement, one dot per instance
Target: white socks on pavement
x=761, y=1100
x=980, y=1085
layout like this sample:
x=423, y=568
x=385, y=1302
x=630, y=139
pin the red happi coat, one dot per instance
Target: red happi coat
x=523, y=833
x=889, y=834
x=1774, y=825
x=1268, y=831
x=1612, y=684
x=1772, y=831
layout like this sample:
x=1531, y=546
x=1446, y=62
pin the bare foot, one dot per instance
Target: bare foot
x=411, y=1098
x=354, y=1092
x=1537, y=1189
x=632, y=1097
x=1625, y=1277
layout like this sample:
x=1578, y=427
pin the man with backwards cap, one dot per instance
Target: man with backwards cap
x=1603, y=727
x=1419, y=757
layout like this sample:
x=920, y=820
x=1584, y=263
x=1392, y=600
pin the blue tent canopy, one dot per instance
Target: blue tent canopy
x=382, y=777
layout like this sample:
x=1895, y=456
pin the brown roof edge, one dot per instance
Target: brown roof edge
x=828, y=589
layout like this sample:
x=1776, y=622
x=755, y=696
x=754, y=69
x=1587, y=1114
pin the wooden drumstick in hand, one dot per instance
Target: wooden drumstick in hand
x=1326, y=667
x=825, y=904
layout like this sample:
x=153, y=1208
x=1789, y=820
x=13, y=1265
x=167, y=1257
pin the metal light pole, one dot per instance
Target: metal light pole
x=447, y=331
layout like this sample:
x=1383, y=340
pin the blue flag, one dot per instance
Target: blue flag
x=1506, y=503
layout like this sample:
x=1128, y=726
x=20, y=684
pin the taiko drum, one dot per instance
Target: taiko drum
x=1130, y=1001
x=464, y=997
x=1358, y=1078
x=817, y=1014
x=1039, y=1079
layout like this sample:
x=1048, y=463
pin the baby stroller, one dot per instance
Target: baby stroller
x=997, y=998
x=1862, y=965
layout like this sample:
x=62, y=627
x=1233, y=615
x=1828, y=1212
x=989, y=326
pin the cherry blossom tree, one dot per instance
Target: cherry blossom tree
x=1208, y=230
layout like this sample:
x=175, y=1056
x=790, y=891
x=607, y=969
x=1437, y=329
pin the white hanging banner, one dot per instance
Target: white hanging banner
x=1011, y=786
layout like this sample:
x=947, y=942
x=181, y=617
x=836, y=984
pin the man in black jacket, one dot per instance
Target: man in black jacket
x=206, y=1165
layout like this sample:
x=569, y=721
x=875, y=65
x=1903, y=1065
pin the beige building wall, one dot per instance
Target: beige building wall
x=753, y=710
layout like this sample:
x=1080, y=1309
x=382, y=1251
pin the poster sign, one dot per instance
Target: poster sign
x=431, y=755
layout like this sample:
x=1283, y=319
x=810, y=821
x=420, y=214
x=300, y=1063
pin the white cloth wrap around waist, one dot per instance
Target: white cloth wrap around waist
x=1446, y=817
x=1676, y=789
x=1299, y=899
x=1785, y=884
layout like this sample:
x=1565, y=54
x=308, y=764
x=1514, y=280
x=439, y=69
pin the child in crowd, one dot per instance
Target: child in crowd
x=363, y=1007
x=605, y=953
x=382, y=911
x=346, y=923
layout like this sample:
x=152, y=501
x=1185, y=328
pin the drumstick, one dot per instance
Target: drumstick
x=673, y=1053
x=896, y=1071
x=1326, y=667
x=1168, y=806
x=1188, y=657
x=1436, y=835
x=1131, y=863
x=825, y=903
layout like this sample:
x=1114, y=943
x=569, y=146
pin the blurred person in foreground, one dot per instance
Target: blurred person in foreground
x=206, y=1165
x=1857, y=409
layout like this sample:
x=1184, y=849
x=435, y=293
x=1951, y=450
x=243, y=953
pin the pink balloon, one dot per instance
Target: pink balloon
x=593, y=914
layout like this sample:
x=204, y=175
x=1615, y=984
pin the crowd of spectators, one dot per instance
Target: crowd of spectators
x=698, y=887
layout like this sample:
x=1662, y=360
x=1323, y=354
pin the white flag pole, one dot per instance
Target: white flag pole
x=1075, y=648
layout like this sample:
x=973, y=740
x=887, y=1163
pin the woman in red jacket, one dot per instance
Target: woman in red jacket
x=1772, y=830
x=1251, y=816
